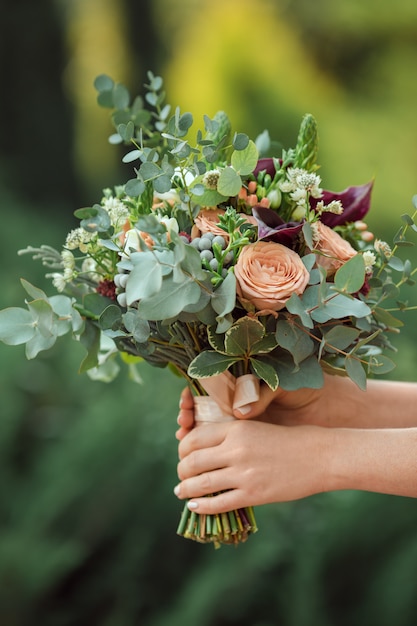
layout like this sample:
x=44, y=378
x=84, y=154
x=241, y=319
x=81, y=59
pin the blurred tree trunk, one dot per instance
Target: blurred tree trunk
x=36, y=120
x=150, y=51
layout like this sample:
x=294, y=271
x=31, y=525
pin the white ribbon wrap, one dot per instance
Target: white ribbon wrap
x=226, y=393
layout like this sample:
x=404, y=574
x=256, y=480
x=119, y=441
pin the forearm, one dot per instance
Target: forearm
x=377, y=460
x=384, y=404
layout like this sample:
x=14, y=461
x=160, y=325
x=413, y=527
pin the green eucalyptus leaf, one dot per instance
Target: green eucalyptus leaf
x=95, y=304
x=149, y=170
x=350, y=277
x=111, y=318
x=294, y=339
x=307, y=374
x=170, y=300
x=200, y=305
x=308, y=236
x=103, y=83
x=131, y=156
x=106, y=372
x=68, y=317
x=386, y=318
x=240, y=141
x=229, y=183
x=191, y=263
x=209, y=363
x=145, y=279
x=90, y=339
x=224, y=297
x=100, y=222
x=34, y=292
x=38, y=343
x=356, y=372
x=185, y=122
x=396, y=263
x=340, y=337
x=309, y=260
x=265, y=372
x=210, y=197
x=241, y=336
x=16, y=326
x=121, y=96
x=339, y=307
x=162, y=184
x=136, y=326
x=126, y=131
x=297, y=307
x=43, y=317
x=224, y=322
x=244, y=161
x=381, y=364
x=134, y=187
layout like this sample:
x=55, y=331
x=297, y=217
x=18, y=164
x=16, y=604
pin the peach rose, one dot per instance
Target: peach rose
x=268, y=273
x=335, y=250
x=207, y=222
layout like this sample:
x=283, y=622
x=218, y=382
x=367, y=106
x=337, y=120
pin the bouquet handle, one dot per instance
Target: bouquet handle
x=234, y=526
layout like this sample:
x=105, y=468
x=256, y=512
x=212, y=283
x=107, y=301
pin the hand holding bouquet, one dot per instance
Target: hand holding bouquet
x=231, y=267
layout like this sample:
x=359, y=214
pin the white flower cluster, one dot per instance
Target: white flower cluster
x=117, y=210
x=335, y=206
x=78, y=238
x=369, y=259
x=301, y=184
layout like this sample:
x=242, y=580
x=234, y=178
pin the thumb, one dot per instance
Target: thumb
x=254, y=409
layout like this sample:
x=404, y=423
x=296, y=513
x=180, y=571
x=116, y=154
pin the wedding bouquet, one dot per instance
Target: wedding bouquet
x=232, y=267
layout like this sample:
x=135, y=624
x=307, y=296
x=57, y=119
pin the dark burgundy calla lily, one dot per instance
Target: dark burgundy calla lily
x=356, y=202
x=271, y=227
x=266, y=164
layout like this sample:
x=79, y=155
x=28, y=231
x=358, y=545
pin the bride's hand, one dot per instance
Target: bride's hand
x=288, y=408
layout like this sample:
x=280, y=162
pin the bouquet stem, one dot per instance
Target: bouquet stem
x=232, y=527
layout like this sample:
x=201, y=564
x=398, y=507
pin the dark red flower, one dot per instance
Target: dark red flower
x=107, y=288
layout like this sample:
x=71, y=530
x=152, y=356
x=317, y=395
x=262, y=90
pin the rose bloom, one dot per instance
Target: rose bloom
x=207, y=222
x=336, y=251
x=268, y=273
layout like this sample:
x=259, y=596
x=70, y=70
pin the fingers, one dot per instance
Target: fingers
x=257, y=408
x=201, y=438
x=219, y=503
x=186, y=414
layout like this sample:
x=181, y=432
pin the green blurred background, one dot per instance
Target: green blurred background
x=87, y=514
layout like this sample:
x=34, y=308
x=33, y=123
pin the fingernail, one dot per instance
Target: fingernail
x=244, y=410
x=177, y=490
x=192, y=505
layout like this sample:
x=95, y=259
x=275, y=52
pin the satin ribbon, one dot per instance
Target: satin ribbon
x=225, y=394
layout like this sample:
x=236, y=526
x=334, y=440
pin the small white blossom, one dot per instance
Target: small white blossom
x=170, y=223
x=117, y=210
x=382, y=247
x=211, y=178
x=299, y=196
x=58, y=281
x=68, y=260
x=369, y=260
x=286, y=186
x=132, y=242
x=335, y=206
x=68, y=274
x=78, y=238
